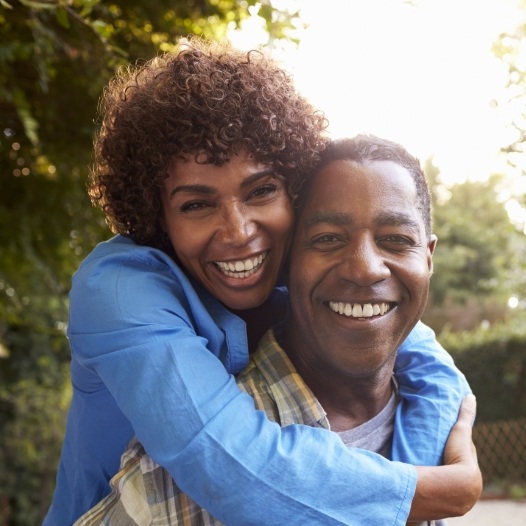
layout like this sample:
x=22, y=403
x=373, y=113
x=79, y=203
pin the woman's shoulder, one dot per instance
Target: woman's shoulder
x=120, y=258
x=122, y=250
x=120, y=277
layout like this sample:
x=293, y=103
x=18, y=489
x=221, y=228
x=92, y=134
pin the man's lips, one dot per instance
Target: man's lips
x=360, y=310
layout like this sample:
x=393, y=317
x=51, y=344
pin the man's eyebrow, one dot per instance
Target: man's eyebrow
x=398, y=219
x=343, y=219
x=329, y=216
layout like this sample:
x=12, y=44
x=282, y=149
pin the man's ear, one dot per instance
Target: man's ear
x=431, y=245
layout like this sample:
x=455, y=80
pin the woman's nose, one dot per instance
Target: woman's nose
x=238, y=225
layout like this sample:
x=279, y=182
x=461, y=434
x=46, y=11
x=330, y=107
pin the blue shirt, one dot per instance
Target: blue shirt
x=153, y=354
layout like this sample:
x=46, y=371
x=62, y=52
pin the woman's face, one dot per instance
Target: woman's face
x=229, y=226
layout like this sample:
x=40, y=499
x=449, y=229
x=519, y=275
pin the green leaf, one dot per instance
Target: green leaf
x=62, y=17
x=25, y=116
x=37, y=5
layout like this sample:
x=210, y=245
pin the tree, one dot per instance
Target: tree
x=510, y=48
x=55, y=58
x=477, y=249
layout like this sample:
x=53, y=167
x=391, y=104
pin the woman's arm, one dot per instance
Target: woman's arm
x=132, y=326
x=142, y=490
x=453, y=489
x=431, y=390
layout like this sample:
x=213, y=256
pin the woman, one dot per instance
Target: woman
x=197, y=162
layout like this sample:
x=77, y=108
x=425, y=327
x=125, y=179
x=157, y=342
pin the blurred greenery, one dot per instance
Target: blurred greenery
x=494, y=362
x=55, y=58
x=508, y=48
x=479, y=261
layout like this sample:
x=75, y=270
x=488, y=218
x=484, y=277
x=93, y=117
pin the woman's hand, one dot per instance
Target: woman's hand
x=453, y=489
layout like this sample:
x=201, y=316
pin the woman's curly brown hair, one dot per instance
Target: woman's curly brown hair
x=206, y=99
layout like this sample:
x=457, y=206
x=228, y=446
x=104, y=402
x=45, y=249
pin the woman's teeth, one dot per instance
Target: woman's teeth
x=242, y=268
x=357, y=310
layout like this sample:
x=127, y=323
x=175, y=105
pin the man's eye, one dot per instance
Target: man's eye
x=400, y=241
x=326, y=241
x=326, y=238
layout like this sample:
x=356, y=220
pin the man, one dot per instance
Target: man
x=359, y=272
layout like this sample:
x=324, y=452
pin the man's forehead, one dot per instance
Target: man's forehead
x=384, y=172
x=343, y=185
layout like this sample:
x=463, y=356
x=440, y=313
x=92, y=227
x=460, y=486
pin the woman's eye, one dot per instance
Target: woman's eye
x=193, y=206
x=264, y=190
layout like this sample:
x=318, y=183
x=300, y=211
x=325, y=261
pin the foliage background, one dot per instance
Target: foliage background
x=55, y=58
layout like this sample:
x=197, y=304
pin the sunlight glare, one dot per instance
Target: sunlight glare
x=420, y=74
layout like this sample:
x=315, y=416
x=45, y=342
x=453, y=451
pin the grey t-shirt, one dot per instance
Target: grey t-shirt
x=376, y=434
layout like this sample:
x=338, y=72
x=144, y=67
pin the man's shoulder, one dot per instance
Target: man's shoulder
x=272, y=380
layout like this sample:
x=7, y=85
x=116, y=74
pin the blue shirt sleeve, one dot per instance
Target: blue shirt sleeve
x=135, y=344
x=431, y=390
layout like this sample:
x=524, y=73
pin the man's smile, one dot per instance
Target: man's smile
x=359, y=310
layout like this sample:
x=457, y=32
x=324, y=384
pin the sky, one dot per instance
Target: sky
x=422, y=75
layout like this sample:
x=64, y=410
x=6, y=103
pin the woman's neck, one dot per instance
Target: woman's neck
x=259, y=319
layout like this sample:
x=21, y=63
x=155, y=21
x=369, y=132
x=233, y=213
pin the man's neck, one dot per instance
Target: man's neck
x=348, y=400
x=351, y=402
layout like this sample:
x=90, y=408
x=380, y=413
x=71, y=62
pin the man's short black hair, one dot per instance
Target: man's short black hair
x=364, y=148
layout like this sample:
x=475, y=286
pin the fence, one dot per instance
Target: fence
x=501, y=449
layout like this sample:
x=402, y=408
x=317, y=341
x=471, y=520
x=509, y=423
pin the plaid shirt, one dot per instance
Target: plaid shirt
x=271, y=379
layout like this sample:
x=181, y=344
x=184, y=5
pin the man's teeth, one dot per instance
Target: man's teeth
x=357, y=310
x=241, y=268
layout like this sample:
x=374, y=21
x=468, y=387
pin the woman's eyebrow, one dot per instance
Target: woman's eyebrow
x=209, y=190
x=193, y=188
x=252, y=178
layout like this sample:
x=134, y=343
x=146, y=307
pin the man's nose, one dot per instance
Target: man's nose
x=237, y=224
x=364, y=263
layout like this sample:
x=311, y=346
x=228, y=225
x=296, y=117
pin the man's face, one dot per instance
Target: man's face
x=360, y=268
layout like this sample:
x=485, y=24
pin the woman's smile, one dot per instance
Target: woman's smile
x=241, y=269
